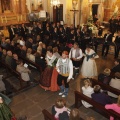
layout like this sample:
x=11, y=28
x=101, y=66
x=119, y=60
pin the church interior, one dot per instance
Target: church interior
x=57, y=53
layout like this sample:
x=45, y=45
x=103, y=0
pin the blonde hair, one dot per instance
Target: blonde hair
x=60, y=103
x=87, y=81
x=118, y=101
x=29, y=50
x=75, y=114
x=107, y=71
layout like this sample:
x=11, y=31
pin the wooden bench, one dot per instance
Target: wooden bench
x=38, y=67
x=14, y=73
x=105, y=87
x=47, y=115
x=79, y=96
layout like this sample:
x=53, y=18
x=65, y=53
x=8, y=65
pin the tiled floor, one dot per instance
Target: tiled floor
x=32, y=101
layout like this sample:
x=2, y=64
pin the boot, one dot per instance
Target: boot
x=65, y=92
x=61, y=90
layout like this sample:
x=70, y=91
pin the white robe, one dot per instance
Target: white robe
x=89, y=68
x=87, y=91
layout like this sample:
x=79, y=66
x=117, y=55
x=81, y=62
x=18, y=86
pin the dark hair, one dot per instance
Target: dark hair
x=19, y=61
x=50, y=50
x=75, y=114
x=97, y=89
x=75, y=43
x=60, y=103
x=88, y=46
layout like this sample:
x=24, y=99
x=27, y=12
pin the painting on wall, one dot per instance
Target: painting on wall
x=5, y=5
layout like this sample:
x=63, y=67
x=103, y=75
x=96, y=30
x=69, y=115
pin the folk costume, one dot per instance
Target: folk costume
x=89, y=68
x=49, y=75
x=5, y=111
x=65, y=70
x=75, y=55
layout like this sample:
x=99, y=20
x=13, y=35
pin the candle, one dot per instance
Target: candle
x=5, y=19
x=21, y=17
x=1, y=20
x=18, y=18
x=25, y=17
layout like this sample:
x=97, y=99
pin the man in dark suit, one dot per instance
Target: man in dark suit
x=24, y=31
x=107, y=42
x=117, y=45
x=11, y=30
x=116, y=68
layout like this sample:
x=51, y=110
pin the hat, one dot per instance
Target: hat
x=107, y=71
x=117, y=74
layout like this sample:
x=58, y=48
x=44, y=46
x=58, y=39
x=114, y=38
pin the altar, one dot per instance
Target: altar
x=13, y=12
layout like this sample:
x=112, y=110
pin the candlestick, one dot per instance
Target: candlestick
x=1, y=20
x=25, y=17
x=18, y=18
x=5, y=19
x=21, y=17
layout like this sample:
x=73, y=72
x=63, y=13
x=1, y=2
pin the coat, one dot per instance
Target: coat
x=24, y=72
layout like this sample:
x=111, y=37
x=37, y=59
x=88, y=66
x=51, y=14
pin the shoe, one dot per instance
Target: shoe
x=63, y=96
x=72, y=78
x=61, y=93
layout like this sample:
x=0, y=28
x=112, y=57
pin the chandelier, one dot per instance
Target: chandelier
x=55, y=3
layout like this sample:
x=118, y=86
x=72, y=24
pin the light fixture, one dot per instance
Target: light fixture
x=55, y=3
x=90, y=1
x=74, y=3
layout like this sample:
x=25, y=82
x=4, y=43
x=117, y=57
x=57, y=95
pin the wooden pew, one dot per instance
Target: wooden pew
x=14, y=73
x=79, y=96
x=38, y=67
x=105, y=87
x=47, y=115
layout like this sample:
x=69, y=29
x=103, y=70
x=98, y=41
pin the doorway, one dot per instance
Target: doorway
x=95, y=9
x=58, y=13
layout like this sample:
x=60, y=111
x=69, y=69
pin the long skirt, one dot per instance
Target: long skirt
x=89, y=68
x=52, y=80
x=54, y=86
x=45, y=80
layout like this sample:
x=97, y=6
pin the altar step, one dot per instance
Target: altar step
x=13, y=19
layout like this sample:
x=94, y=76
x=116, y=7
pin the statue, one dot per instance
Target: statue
x=116, y=9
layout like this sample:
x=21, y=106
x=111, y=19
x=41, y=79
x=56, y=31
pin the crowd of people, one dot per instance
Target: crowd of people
x=60, y=51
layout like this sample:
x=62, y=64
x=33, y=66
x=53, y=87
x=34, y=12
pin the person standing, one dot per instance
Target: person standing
x=49, y=75
x=64, y=67
x=89, y=68
x=107, y=41
x=75, y=55
x=117, y=45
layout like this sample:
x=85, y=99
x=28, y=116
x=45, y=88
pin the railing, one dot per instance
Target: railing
x=13, y=19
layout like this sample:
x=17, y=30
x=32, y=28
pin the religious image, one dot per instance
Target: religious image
x=5, y=5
